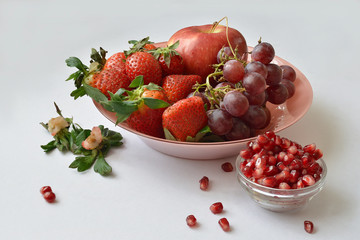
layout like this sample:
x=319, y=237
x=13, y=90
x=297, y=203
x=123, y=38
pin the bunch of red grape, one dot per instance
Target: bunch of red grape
x=238, y=101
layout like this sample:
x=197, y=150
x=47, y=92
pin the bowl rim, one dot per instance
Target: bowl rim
x=283, y=192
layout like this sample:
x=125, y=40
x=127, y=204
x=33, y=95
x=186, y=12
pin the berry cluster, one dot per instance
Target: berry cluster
x=278, y=162
x=237, y=91
x=48, y=194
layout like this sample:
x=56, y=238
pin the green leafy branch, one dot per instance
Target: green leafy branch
x=70, y=139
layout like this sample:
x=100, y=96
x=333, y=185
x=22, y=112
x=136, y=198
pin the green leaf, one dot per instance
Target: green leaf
x=49, y=147
x=137, y=82
x=76, y=62
x=95, y=93
x=123, y=109
x=83, y=163
x=74, y=76
x=168, y=135
x=152, y=86
x=154, y=103
x=175, y=45
x=101, y=166
x=81, y=137
x=78, y=92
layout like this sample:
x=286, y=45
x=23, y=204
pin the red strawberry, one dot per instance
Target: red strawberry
x=143, y=63
x=176, y=65
x=178, y=87
x=170, y=60
x=185, y=118
x=116, y=61
x=149, y=46
x=147, y=120
x=109, y=80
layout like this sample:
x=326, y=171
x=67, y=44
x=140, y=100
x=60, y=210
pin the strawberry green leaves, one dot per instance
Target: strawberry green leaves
x=166, y=52
x=97, y=62
x=71, y=138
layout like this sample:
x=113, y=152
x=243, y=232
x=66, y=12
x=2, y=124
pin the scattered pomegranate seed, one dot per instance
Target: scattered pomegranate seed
x=191, y=220
x=45, y=189
x=308, y=226
x=227, y=167
x=204, y=183
x=288, y=162
x=49, y=197
x=224, y=224
x=216, y=207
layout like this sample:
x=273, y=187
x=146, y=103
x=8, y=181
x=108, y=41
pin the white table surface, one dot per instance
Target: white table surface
x=150, y=194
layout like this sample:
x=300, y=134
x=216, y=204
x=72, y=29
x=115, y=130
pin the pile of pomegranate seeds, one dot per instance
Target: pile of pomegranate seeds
x=277, y=162
x=48, y=194
x=308, y=226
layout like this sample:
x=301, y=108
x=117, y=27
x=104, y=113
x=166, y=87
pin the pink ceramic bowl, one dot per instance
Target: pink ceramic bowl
x=282, y=116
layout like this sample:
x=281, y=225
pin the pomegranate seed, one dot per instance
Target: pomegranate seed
x=227, y=167
x=262, y=139
x=313, y=168
x=283, y=176
x=310, y=148
x=216, y=207
x=270, y=134
x=282, y=166
x=256, y=147
x=271, y=170
x=295, y=164
x=258, y=173
x=308, y=226
x=204, y=183
x=317, y=154
x=272, y=160
x=247, y=172
x=284, y=185
x=300, y=184
x=260, y=163
x=270, y=145
x=280, y=157
x=285, y=143
x=49, y=197
x=45, y=189
x=308, y=180
x=294, y=176
x=246, y=153
x=277, y=140
x=288, y=158
x=268, y=181
x=191, y=220
x=293, y=150
x=224, y=224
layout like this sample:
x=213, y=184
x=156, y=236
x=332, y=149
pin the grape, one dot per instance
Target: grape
x=290, y=86
x=256, y=67
x=254, y=83
x=224, y=84
x=268, y=116
x=219, y=121
x=235, y=103
x=288, y=73
x=255, y=117
x=277, y=94
x=258, y=99
x=274, y=74
x=239, y=131
x=263, y=52
x=233, y=71
x=225, y=53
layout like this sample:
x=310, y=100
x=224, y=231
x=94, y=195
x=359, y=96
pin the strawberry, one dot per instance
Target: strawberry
x=116, y=61
x=147, y=120
x=143, y=63
x=170, y=60
x=109, y=80
x=185, y=118
x=105, y=75
x=178, y=87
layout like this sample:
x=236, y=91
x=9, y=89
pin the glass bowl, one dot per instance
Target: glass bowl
x=280, y=200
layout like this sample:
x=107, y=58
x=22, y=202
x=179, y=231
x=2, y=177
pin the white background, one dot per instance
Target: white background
x=150, y=194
